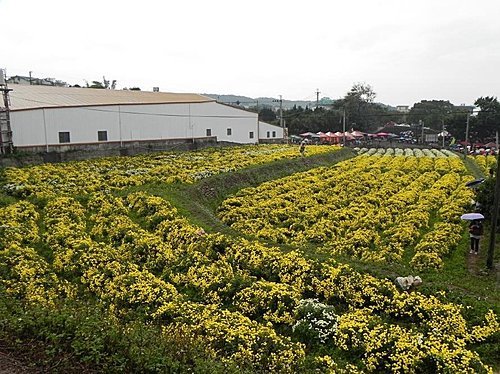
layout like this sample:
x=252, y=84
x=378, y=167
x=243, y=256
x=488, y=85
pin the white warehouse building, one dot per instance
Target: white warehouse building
x=61, y=118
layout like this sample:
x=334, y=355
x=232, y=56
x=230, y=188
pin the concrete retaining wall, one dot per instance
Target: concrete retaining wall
x=24, y=156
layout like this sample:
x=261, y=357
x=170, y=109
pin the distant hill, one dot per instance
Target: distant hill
x=272, y=102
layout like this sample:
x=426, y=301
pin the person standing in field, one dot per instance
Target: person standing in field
x=475, y=233
x=302, y=148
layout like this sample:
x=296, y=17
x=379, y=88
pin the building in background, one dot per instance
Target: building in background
x=47, y=118
x=32, y=81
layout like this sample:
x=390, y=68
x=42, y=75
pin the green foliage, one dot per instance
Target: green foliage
x=485, y=196
x=482, y=128
x=431, y=112
x=88, y=334
x=105, y=84
x=488, y=119
x=456, y=123
x=362, y=113
x=267, y=115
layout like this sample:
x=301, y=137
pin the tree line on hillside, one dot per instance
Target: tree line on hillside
x=364, y=114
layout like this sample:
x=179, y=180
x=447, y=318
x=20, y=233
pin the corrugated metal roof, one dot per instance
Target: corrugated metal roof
x=23, y=97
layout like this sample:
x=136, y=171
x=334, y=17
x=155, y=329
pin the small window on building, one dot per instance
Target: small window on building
x=274, y=134
x=209, y=132
x=229, y=132
x=102, y=136
x=268, y=134
x=64, y=137
x=250, y=134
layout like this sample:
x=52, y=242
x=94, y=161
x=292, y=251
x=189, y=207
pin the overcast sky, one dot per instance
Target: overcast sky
x=406, y=50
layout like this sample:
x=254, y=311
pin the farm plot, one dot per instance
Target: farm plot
x=373, y=207
x=249, y=306
x=85, y=177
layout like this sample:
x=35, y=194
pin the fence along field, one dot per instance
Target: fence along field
x=228, y=303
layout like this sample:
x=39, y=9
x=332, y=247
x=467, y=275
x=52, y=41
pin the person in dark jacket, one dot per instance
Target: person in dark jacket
x=302, y=148
x=475, y=233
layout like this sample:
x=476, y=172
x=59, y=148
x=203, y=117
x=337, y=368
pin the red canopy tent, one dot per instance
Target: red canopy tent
x=358, y=134
x=332, y=137
x=348, y=136
x=323, y=137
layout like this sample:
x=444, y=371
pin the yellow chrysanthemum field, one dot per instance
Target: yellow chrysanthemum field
x=104, y=264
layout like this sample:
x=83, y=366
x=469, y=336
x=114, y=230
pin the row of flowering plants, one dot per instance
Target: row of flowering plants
x=373, y=207
x=88, y=176
x=249, y=304
x=485, y=162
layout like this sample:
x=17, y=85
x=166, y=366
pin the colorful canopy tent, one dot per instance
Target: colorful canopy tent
x=338, y=136
x=348, y=136
x=358, y=134
x=309, y=135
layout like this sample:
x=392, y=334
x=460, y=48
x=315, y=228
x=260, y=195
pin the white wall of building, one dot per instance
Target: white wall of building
x=267, y=131
x=134, y=122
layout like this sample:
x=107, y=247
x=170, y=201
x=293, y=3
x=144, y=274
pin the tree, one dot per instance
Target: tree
x=96, y=84
x=267, y=115
x=488, y=118
x=456, y=122
x=105, y=84
x=299, y=120
x=361, y=111
x=432, y=112
x=361, y=93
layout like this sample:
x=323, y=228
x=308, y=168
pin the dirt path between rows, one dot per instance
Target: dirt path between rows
x=476, y=264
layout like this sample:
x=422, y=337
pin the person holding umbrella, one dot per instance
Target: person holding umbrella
x=475, y=233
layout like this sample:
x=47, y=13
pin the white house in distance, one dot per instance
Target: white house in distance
x=62, y=118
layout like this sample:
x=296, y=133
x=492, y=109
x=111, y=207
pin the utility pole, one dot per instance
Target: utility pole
x=281, y=116
x=466, y=135
x=421, y=123
x=281, y=112
x=494, y=217
x=317, y=98
x=443, y=134
x=258, y=122
x=343, y=128
x=6, y=144
x=30, y=78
